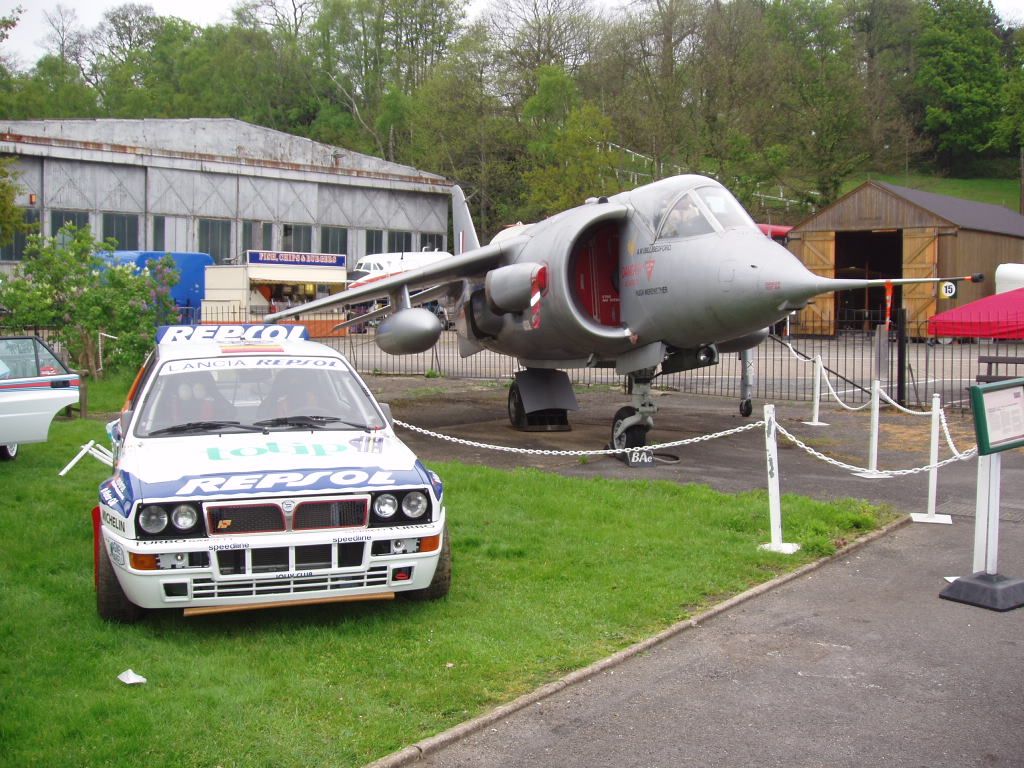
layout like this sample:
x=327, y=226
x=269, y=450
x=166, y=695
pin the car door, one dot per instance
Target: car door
x=34, y=386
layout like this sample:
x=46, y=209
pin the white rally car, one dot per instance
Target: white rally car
x=253, y=468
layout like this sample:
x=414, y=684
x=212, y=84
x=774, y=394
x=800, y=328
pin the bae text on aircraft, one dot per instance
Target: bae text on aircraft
x=658, y=280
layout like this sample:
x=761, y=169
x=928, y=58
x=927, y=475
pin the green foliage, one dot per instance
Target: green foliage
x=568, y=165
x=12, y=218
x=63, y=283
x=960, y=75
x=760, y=93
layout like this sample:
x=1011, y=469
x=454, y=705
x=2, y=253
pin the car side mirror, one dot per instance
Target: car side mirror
x=387, y=413
x=117, y=429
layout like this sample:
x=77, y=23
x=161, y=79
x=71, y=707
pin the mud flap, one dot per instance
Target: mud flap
x=547, y=398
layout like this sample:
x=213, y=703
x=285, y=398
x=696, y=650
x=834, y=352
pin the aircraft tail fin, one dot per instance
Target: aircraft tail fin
x=462, y=224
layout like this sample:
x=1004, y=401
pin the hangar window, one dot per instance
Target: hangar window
x=215, y=239
x=297, y=238
x=374, y=241
x=159, y=233
x=399, y=242
x=431, y=241
x=15, y=250
x=122, y=227
x=257, y=236
x=58, y=219
x=333, y=240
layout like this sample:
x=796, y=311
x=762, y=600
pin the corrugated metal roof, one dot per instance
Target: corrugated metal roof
x=208, y=138
x=966, y=214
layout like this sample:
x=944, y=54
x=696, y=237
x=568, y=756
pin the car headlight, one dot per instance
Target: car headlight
x=153, y=519
x=385, y=505
x=414, y=504
x=184, y=517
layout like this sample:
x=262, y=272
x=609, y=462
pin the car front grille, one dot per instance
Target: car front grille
x=374, y=576
x=225, y=518
x=245, y=518
x=339, y=513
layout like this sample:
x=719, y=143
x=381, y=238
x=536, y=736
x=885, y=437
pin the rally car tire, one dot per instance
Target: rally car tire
x=8, y=452
x=111, y=602
x=442, y=581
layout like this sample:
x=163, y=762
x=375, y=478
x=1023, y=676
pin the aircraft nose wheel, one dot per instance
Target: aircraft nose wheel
x=631, y=437
x=746, y=408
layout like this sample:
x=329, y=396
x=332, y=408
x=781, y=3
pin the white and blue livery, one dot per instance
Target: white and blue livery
x=253, y=469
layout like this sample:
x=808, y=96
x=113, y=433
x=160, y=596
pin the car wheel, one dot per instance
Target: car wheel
x=633, y=437
x=8, y=452
x=442, y=581
x=111, y=602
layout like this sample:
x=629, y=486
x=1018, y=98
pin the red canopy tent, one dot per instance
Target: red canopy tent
x=1000, y=316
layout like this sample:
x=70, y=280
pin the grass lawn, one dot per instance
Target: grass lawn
x=549, y=574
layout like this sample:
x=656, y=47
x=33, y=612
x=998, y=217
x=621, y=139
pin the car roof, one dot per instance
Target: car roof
x=181, y=342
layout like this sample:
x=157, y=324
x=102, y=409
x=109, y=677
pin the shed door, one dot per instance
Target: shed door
x=920, y=259
x=819, y=256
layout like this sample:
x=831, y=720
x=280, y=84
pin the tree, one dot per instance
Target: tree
x=960, y=77
x=12, y=218
x=570, y=165
x=820, y=114
x=63, y=283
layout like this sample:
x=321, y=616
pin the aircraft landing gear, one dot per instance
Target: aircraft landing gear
x=746, y=407
x=632, y=422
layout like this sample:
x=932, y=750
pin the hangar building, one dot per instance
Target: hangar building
x=882, y=230
x=222, y=187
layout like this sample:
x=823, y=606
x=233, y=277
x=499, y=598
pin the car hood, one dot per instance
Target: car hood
x=230, y=465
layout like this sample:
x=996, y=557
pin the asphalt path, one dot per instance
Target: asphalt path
x=856, y=661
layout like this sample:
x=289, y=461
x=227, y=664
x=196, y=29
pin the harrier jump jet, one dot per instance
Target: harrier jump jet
x=661, y=279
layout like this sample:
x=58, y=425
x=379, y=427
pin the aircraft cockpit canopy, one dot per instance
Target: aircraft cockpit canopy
x=673, y=211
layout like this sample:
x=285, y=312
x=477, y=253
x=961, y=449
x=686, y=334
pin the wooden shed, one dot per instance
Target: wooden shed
x=882, y=230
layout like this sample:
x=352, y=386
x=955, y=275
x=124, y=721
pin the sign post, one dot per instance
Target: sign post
x=999, y=425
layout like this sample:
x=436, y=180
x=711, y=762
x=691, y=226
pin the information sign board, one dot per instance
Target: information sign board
x=998, y=415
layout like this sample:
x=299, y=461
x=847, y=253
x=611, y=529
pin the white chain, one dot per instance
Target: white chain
x=949, y=438
x=882, y=394
x=839, y=399
x=965, y=456
x=605, y=452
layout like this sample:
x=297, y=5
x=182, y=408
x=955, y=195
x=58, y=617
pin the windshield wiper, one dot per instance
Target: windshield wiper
x=309, y=422
x=203, y=426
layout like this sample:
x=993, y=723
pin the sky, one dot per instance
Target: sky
x=25, y=42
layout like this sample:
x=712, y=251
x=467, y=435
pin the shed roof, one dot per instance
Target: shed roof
x=965, y=214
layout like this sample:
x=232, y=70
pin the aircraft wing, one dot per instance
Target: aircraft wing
x=466, y=266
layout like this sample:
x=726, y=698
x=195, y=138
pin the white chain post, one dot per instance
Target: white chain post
x=774, y=497
x=933, y=472
x=819, y=371
x=872, y=472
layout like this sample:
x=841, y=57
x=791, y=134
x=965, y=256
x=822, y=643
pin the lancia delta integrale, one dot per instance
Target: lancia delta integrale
x=253, y=468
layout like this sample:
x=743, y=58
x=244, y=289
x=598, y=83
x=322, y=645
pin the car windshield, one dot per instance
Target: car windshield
x=272, y=393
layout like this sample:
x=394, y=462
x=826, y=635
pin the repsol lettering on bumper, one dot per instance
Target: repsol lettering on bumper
x=273, y=480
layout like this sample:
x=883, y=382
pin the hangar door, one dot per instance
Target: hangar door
x=920, y=259
x=819, y=256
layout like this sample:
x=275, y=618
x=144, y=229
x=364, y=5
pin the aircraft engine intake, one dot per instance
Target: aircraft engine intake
x=510, y=288
x=409, y=332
